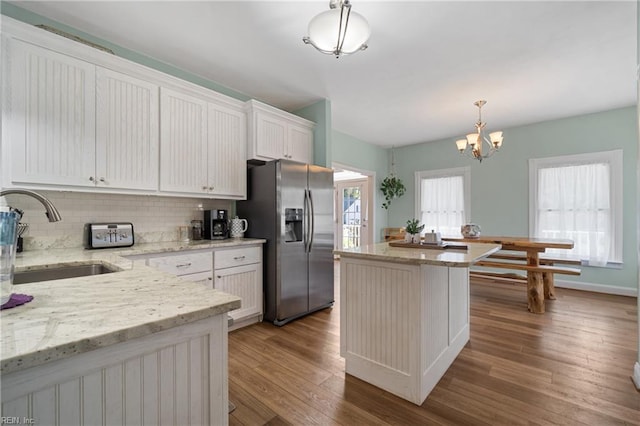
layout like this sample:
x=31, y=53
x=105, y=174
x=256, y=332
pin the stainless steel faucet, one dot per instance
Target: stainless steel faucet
x=52, y=213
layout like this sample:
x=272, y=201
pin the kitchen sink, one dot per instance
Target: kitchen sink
x=58, y=273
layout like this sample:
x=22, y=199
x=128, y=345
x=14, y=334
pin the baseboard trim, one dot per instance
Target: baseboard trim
x=597, y=288
x=636, y=375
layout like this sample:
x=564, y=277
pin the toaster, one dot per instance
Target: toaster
x=108, y=235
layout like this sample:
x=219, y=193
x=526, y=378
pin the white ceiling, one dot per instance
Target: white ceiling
x=426, y=64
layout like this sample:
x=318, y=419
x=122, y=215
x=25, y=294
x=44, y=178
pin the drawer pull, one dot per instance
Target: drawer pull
x=184, y=265
x=238, y=257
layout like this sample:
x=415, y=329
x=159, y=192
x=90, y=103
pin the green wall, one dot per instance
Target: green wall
x=320, y=113
x=500, y=185
x=361, y=155
x=34, y=19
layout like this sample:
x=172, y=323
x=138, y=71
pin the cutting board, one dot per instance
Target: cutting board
x=443, y=246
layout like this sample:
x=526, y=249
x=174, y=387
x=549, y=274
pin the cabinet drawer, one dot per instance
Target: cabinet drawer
x=182, y=264
x=204, y=278
x=236, y=257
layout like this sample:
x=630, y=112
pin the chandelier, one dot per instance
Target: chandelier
x=472, y=145
x=338, y=31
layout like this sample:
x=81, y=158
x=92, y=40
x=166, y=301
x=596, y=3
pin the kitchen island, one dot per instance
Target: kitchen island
x=404, y=313
x=136, y=346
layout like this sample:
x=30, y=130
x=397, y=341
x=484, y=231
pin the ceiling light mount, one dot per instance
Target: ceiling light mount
x=338, y=31
x=472, y=145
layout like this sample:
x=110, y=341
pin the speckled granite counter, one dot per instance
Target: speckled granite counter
x=76, y=315
x=429, y=256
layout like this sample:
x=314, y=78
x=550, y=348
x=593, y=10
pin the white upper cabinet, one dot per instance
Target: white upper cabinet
x=127, y=132
x=275, y=134
x=203, y=146
x=300, y=143
x=183, y=143
x=74, y=124
x=227, y=148
x=50, y=117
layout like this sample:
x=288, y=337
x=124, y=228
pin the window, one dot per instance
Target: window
x=579, y=197
x=442, y=199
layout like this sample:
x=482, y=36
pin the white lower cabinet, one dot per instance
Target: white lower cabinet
x=238, y=271
x=177, y=376
x=194, y=266
x=234, y=270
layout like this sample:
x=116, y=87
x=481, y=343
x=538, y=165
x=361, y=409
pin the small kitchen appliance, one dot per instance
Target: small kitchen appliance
x=108, y=235
x=238, y=227
x=196, y=230
x=216, y=224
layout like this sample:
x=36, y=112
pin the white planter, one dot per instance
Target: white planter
x=412, y=238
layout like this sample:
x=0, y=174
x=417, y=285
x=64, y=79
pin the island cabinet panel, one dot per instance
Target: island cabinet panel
x=378, y=325
x=459, y=302
x=402, y=324
x=178, y=376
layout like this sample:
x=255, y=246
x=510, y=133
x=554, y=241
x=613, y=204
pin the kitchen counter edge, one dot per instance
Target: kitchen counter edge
x=417, y=256
x=91, y=310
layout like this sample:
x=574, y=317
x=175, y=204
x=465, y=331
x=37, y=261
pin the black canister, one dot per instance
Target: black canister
x=196, y=229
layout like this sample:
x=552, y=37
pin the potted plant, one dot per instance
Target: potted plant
x=391, y=187
x=412, y=231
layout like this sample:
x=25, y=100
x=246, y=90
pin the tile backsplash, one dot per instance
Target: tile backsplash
x=154, y=218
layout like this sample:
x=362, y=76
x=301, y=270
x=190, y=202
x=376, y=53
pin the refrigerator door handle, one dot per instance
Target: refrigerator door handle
x=312, y=218
x=305, y=224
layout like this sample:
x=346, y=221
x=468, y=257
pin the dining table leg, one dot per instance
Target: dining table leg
x=535, y=285
x=549, y=285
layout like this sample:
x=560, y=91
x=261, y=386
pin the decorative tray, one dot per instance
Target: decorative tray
x=431, y=246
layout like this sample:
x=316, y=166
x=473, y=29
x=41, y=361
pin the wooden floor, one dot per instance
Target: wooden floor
x=570, y=366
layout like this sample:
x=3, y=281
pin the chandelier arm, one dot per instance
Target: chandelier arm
x=346, y=26
x=307, y=40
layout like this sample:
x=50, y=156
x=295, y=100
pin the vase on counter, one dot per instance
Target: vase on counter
x=412, y=238
x=470, y=230
x=238, y=227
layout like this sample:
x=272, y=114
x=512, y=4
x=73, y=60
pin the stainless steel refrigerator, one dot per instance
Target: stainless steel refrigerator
x=290, y=204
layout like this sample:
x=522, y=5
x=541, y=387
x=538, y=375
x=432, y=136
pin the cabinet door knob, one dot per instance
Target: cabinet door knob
x=211, y=188
x=102, y=179
x=91, y=179
x=204, y=188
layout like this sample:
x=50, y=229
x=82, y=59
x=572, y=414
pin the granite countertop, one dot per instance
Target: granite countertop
x=430, y=256
x=76, y=315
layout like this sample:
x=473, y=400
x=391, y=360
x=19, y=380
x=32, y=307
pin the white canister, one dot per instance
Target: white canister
x=238, y=227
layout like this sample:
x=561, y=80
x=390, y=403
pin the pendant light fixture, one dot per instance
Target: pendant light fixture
x=472, y=145
x=338, y=31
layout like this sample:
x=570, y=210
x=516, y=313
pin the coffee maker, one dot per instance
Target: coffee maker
x=216, y=224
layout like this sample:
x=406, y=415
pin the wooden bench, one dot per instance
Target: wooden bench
x=546, y=267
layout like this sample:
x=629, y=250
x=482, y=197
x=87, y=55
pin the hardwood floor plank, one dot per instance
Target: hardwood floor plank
x=317, y=396
x=569, y=366
x=287, y=406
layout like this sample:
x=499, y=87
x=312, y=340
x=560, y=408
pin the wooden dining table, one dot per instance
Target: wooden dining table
x=540, y=277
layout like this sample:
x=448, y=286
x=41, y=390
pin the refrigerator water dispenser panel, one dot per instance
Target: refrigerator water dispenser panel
x=293, y=225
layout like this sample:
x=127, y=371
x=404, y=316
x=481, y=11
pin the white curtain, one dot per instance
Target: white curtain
x=442, y=204
x=573, y=202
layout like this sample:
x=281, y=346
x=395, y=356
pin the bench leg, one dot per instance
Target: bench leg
x=535, y=292
x=549, y=285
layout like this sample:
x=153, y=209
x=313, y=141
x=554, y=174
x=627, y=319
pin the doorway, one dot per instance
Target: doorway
x=352, y=209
